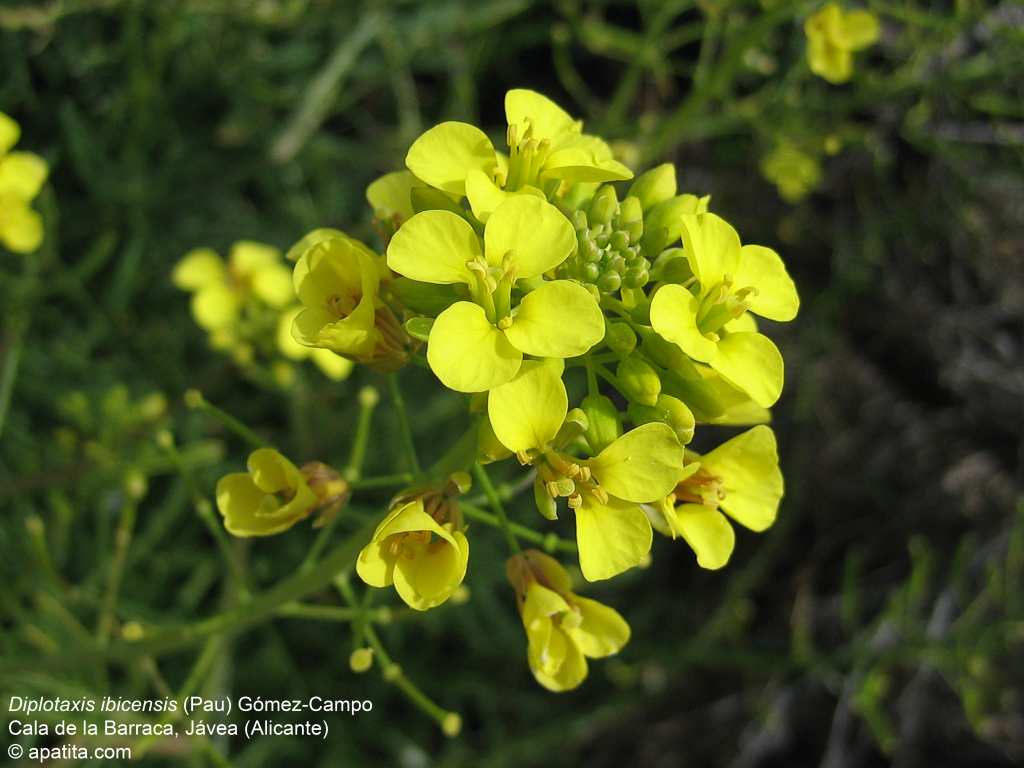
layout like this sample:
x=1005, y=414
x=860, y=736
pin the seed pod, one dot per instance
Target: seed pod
x=639, y=380
x=604, y=424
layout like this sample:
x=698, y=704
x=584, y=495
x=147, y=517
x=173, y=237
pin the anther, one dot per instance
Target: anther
x=575, y=501
x=505, y=323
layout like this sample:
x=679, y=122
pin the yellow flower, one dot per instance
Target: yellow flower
x=274, y=495
x=546, y=147
x=708, y=320
x=794, y=172
x=832, y=38
x=338, y=282
x=478, y=345
x=741, y=478
x=612, y=532
x=424, y=559
x=221, y=290
x=21, y=177
x=334, y=367
x=562, y=628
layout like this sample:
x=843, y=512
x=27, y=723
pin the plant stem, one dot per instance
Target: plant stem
x=194, y=399
x=499, y=509
x=403, y=424
x=549, y=541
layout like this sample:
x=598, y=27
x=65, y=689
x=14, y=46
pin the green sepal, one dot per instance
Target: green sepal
x=639, y=381
x=641, y=313
x=663, y=353
x=575, y=424
x=604, y=424
x=424, y=298
x=545, y=504
x=620, y=338
x=419, y=327
x=488, y=448
x=669, y=411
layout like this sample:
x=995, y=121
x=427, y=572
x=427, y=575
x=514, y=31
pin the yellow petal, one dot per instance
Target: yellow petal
x=674, y=317
x=391, y=194
x=706, y=531
x=776, y=296
x=434, y=247
x=467, y=353
x=643, y=465
x=197, y=268
x=10, y=131
x=751, y=363
x=602, y=632
x=22, y=174
x=541, y=237
x=21, y=227
x=445, y=154
x=528, y=411
x=712, y=248
x=559, y=319
x=215, y=306
x=611, y=538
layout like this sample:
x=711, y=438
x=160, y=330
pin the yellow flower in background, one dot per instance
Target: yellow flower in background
x=338, y=282
x=794, y=172
x=832, y=38
x=22, y=175
x=741, y=478
x=271, y=497
x=220, y=290
x=562, y=628
x=424, y=559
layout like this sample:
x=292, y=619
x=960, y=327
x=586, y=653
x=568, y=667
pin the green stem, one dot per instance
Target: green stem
x=122, y=540
x=402, y=478
x=403, y=424
x=498, y=507
x=592, y=388
x=549, y=541
x=368, y=400
x=194, y=399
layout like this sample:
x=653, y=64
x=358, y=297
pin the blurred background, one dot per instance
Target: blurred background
x=879, y=622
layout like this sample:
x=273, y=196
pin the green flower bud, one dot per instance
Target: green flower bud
x=423, y=298
x=604, y=424
x=602, y=240
x=662, y=352
x=616, y=263
x=589, y=252
x=609, y=282
x=619, y=241
x=655, y=186
x=603, y=206
x=667, y=410
x=590, y=272
x=545, y=504
x=653, y=241
x=639, y=381
x=630, y=210
x=702, y=398
x=419, y=327
x=635, y=230
x=635, y=277
x=668, y=212
x=620, y=338
x=579, y=220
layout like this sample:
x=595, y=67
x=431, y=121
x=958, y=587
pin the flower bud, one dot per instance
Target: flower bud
x=620, y=338
x=604, y=425
x=631, y=209
x=703, y=399
x=361, y=659
x=602, y=206
x=639, y=381
x=668, y=212
x=655, y=186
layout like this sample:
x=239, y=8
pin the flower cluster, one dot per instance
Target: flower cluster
x=520, y=271
x=21, y=177
x=247, y=303
x=833, y=36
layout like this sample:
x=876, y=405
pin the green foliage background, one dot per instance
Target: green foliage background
x=880, y=621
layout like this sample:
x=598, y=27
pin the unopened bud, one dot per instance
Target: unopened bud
x=602, y=206
x=655, y=186
x=639, y=381
x=604, y=425
x=361, y=659
x=619, y=337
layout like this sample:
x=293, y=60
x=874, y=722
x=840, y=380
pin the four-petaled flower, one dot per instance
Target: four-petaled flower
x=546, y=147
x=562, y=628
x=612, y=532
x=21, y=177
x=832, y=38
x=741, y=478
x=424, y=559
x=706, y=320
x=478, y=345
